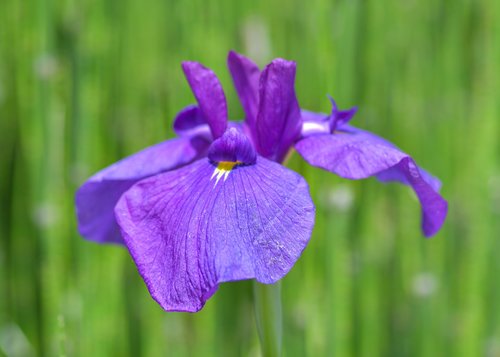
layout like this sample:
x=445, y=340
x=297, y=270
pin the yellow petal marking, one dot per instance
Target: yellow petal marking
x=223, y=169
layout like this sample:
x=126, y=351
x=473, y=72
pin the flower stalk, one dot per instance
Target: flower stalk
x=268, y=315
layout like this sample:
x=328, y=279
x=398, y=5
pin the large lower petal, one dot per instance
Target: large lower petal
x=389, y=175
x=97, y=197
x=188, y=231
x=359, y=155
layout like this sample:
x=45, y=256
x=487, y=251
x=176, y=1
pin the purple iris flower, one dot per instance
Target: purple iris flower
x=216, y=205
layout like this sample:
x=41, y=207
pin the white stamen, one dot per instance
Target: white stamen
x=223, y=169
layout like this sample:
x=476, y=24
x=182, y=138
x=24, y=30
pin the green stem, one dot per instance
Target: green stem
x=267, y=300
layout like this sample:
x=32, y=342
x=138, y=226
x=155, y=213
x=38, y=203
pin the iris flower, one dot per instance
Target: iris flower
x=215, y=204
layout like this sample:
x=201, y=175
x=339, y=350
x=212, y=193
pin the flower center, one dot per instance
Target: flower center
x=230, y=150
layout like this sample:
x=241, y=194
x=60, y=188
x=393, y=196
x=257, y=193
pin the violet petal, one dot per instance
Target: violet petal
x=188, y=232
x=389, y=175
x=245, y=76
x=358, y=156
x=340, y=117
x=279, y=120
x=209, y=94
x=97, y=197
x=190, y=122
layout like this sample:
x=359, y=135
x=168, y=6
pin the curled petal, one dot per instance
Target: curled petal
x=279, y=120
x=97, y=197
x=360, y=155
x=209, y=94
x=340, y=117
x=245, y=76
x=190, y=122
x=188, y=232
x=434, y=207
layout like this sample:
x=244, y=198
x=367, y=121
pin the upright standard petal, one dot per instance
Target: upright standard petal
x=97, y=197
x=359, y=155
x=279, y=120
x=188, y=232
x=245, y=76
x=209, y=94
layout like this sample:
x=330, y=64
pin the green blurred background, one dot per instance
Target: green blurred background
x=85, y=83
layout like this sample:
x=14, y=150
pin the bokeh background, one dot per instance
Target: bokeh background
x=85, y=83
